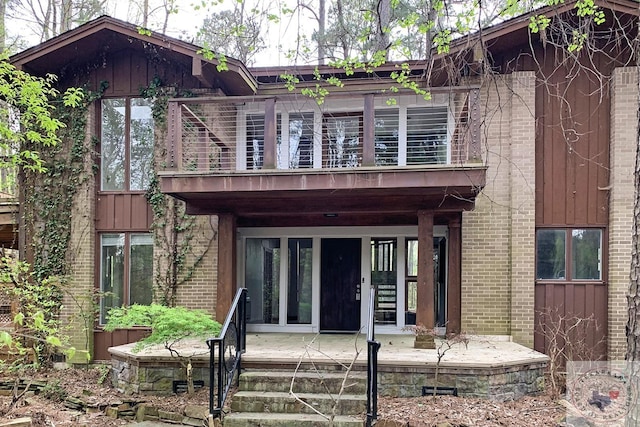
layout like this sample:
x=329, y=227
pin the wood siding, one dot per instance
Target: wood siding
x=103, y=340
x=123, y=212
x=560, y=305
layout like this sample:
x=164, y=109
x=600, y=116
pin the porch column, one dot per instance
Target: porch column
x=226, y=265
x=368, y=127
x=270, y=147
x=425, y=313
x=454, y=293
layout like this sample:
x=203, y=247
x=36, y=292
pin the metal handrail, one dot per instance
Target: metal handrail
x=225, y=353
x=372, y=363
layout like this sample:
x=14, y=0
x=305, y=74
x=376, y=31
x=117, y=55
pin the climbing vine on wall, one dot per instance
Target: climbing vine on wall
x=49, y=201
x=176, y=257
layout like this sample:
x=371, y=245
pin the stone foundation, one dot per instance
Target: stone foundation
x=154, y=372
x=496, y=382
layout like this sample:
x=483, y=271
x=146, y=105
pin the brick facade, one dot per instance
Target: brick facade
x=624, y=121
x=498, y=236
x=78, y=304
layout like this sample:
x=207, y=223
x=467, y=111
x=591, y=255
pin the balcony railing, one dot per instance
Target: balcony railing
x=228, y=134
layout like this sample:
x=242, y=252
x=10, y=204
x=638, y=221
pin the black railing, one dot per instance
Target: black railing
x=225, y=353
x=372, y=363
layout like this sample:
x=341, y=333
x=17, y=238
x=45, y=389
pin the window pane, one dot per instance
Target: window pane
x=141, y=140
x=112, y=144
x=386, y=136
x=550, y=254
x=262, y=276
x=412, y=257
x=384, y=259
x=141, y=269
x=427, y=135
x=255, y=141
x=412, y=302
x=586, y=254
x=301, y=140
x=343, y=148
x=299, y=287
x=111, y=273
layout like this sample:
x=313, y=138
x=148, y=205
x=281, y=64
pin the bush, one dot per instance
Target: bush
x=168, y=324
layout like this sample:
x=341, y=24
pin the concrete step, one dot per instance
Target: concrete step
x=283, y=402
x=265, y=419
x=305, y=381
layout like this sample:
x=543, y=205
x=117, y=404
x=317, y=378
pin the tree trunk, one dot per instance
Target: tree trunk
x=382, y=33
x=322, y=16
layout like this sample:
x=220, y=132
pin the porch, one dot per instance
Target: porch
x=488, y=367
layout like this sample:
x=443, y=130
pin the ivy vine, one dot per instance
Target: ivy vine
x=173, y=230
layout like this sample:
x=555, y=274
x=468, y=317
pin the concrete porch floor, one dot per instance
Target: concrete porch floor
x=395, y=350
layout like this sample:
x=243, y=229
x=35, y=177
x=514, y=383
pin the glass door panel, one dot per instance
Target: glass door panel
x=262, y=278
x=384, y=277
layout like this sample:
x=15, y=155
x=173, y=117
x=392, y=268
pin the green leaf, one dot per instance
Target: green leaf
x=54, y=341
x=5, y=339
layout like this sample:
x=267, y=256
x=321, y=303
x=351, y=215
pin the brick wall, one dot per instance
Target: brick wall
x=624, y=111
x=200, y=290
x=77, y=315
x=498, y=236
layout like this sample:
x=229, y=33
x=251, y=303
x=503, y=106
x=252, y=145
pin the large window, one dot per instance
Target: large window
x=572, y=254
x=300, y=276
x=126, y=271
x=126, y=144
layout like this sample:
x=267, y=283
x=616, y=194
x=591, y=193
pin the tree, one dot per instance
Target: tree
x=237, y=33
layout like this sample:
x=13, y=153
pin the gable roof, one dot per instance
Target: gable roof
x=514, y=31
x=107, y=34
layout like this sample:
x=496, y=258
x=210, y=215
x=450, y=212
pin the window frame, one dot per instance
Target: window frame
x=568, y=255
x=128, y=105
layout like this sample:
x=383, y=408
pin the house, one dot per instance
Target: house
x=496, y=207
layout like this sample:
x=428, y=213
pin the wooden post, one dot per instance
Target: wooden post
x=270, y=135
x=369, y=135
x=226, y=265
x=425, y=313
x=454, y=287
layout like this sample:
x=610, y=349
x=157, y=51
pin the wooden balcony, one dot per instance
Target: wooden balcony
x=280, y=156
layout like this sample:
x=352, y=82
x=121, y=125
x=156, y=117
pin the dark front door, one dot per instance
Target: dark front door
x=340, y=285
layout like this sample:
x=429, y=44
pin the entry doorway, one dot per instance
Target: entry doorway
x=340, y=285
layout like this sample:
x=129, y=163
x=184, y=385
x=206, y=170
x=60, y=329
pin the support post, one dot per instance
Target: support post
x=425, y=313
x=226, y=265
x=454, y=278
x=270, y=148
x=368, y=143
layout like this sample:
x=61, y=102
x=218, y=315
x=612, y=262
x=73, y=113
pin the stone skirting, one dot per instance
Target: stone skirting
x=495, y=382
x=154, y=373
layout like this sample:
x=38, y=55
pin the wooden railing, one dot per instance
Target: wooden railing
x=225, y=353
x=225, y=134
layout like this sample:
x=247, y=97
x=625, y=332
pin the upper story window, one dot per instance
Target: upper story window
x=571, y=254
x=403, y=135
x=126, y=144
x=295, y=141
x=427, y=135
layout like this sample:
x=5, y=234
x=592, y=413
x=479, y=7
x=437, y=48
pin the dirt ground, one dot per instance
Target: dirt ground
x=446, y=411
